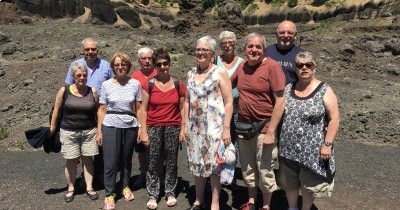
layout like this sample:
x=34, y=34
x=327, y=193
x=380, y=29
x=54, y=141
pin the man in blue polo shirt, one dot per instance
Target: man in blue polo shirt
x=99, y=70
x=285, y=51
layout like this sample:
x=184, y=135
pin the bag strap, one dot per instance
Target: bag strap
x=152, y=81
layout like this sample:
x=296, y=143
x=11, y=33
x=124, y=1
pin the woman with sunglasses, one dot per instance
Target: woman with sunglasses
x=119, y=126
x=230, y=61
x=78, y=105
x=208, y=112
x=310, y=121
x=163, y=98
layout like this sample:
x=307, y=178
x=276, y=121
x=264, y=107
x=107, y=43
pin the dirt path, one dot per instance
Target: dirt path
x=368, y=177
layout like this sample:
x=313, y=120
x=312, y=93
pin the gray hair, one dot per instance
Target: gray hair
x=89, y=39
x=144, y=50
x=78, y=66
x=227, y=35
x=254, y=35
x=209, y=41
x=306, y=55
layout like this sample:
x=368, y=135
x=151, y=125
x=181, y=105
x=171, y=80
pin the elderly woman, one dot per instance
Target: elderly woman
x=78, y=104
x=208, y=109
x=163, y=98
x=230, y=61
x=310, y=122
x=118, y=126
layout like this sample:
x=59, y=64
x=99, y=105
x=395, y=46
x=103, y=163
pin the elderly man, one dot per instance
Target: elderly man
x=99, y=70
x=261, y=83
x=285, y=51
x=145, y=73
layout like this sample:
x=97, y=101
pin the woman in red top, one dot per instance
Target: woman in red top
x=163, y=99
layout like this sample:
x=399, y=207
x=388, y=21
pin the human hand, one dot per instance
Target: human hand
x=226, y=136
x=144, y=139
x=326, y=152
x=269, y=138
x=99, y=138
x=184, y=133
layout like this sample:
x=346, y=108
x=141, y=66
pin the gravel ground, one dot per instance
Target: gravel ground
x=368, y=177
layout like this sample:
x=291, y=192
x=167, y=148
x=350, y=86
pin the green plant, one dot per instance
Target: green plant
x=3, y=133
x=319, y=2
x=334, y=3
x=245, y=3
x=292, y=3
x=352, y=127
x=207, y=4
x=20, y=145
x=252, y=8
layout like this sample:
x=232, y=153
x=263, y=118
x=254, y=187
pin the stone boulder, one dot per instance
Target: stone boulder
x=103, y=10
x=230, y=15
x=52, y=8
x=130, y=16
x=393, y=45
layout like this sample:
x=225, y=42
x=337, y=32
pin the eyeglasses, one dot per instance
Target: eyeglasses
x=120, y=64
x=90, y=49
x=290, y=33
x=228, y=43
x=81, y=75
x=308, y=65
x=145, y=58
x=256, y=46
x=202, y=50
x=160, y=64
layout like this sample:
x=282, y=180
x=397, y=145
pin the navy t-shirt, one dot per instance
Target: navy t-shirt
x=286, y=59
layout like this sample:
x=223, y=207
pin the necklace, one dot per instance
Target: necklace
x=201, y=71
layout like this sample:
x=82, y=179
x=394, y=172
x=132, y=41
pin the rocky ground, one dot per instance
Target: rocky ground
x=359, y=59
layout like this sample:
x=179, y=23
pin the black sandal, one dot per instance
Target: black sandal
x=69, y=199
x=92, y=195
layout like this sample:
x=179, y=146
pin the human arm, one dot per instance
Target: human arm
x=56, y=110
x=182, y=109
x=226, y=91
x=101, y=112
x=144, y=109
x=184, y=133
x=139, y=112
x=276, y=117
x=332, y=108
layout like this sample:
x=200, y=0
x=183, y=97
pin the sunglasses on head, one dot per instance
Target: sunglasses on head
x=308, y=65
x=159, y=64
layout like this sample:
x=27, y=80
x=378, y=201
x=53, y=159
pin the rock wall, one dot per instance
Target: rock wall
x=370, y=10
x=52, y=8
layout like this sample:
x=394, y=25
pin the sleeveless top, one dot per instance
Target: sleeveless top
x=235, y=92
x=206, y=116
x=303, y=130
x=79, y=113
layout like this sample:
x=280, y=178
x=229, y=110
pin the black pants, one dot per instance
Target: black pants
x=118, y=146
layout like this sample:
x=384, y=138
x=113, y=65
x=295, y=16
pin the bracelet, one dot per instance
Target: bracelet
x=328, y=143
x=226, y=126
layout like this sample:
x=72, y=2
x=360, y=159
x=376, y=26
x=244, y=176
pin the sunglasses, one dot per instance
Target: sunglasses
x=90, y=49
x=308, y=65
x=81, y=75
x=160, y=64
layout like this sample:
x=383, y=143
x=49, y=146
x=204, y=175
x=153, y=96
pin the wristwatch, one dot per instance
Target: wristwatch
x=328, y=143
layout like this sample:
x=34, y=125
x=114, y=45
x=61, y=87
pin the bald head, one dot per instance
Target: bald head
x=286, y=34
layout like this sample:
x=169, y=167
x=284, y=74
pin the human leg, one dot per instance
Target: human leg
x=171, y=146
x=111, y=150
x=129, y=135
x=308, y=199
x=154, y=150
x=70, y=173
x=200, y=184
x=215, y=188
x=247, y=157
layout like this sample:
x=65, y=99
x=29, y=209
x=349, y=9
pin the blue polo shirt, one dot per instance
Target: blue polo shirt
x=286, y=58
x=101, y=72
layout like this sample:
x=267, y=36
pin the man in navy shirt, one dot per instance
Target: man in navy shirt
x=99, y=70
x=285, y=51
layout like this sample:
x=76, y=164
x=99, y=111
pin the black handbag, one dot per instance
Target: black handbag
x=249, y=130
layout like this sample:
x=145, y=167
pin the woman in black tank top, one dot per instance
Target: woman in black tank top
x=77, y=104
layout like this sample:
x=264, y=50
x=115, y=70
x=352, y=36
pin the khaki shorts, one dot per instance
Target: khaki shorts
x=257, y=162
x=293, y=176
x=77, y=143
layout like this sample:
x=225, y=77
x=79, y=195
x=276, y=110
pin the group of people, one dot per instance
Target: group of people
x=268, y=106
